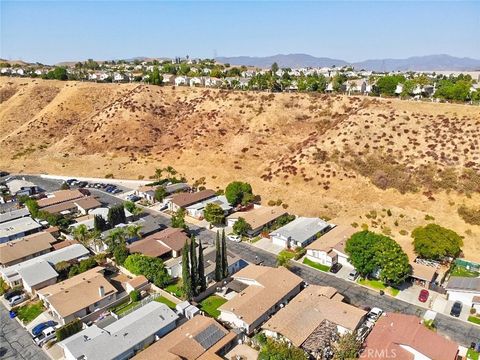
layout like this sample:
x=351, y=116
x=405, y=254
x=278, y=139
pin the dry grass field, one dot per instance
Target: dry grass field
x=385, y=163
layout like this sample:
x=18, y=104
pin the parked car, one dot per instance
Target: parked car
x=353, y=275
x=133, y=197
x=11, y=293
x=423, y=296
x=17, y=299
x=37, y=330
x=116, y=191
x=71, y=181
x=233, y=237
x=374, y=314
x=456, y=309
x=335, y=268
x=82, y=184
x=46, y=335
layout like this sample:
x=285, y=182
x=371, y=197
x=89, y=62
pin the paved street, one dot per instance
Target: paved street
x=459, y=331
x=15, y=342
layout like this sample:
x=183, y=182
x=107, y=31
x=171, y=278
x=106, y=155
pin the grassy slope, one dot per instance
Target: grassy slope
x=288, y=146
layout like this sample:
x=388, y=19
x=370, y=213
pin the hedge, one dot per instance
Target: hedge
x=69, y=329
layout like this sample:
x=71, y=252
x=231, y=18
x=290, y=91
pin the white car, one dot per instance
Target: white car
x=235, y=238
x=17, y=299
x=46, y=335
x=374, y=314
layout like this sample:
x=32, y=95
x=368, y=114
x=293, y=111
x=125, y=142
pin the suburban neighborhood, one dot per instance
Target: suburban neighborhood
x=84, y=260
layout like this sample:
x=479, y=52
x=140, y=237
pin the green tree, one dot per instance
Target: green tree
x=120, y=253
x=238, y=192
x=201, y=268
x=274, y=68
x=178, y=219
x=33, y=207
x=99, y=223
x=116, y=215
x=131, y=207
x=151, y=267
x=280, y=350
x=224, y=255
x=134, y=296
x=81, y=234
x=187, y=282
x=160, y=193
x=241, y=227
x=347, y=347
x=218, y=258
x=193, y=266
x=387, y=85
x=155, y=77
x=214, y=213
x=134, y=231
x=436, y=242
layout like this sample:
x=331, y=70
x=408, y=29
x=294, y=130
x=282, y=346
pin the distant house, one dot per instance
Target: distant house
x=399, y=89
x=463, y=289
x=407, y=338
x=196, y=81
x=196, y=210
x=166, y=244
x=123, y=338
x=265, y=290
x=329, y=87
x=299, y=232
x=20, y=187
x=329, y=248
x=258, y=218
x=199, y=338
x=17, y=228
x=185, y=199
x=358, y=86
x=168, y=79
x=118, y=77
x=182, y=80
x=423, y=275
x=58, y=197
x=306, y=316
x=212, y=82
x=25, y=248
x=78, y=296
x=148, y=192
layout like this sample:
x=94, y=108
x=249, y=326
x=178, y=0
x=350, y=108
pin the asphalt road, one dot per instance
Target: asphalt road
x=457, y=330
x=15, y=342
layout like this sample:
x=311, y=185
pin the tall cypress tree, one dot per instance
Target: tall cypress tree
x=202, y=280
x=193, y=266
x=99, y=223
x=187, y=289
x=224, y=256
x=218, y=259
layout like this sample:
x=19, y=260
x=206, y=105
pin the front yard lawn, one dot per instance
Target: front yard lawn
x=463, y=272
x=211, y=304
x=378, y=285
x=30, y=311
x=163, y=299
x=474, y=319
x=472, y=354
x=316, y=265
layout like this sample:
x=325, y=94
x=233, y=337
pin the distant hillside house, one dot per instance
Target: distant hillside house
x=300, y=232
x=329, y=248
x=258, y=218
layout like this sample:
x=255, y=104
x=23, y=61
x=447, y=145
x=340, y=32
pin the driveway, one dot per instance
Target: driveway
x=15, y=342
x=267, y=245
x=411, y=292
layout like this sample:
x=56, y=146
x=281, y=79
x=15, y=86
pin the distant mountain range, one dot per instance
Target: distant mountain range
x=416, y=63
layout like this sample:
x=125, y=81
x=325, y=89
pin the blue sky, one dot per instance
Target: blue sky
x=53, y=31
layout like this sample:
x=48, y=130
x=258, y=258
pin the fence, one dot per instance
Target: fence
x=94, y=315
x=141, y=303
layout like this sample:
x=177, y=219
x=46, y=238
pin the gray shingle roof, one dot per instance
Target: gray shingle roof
x=463, y=283
x=301, y=229
x=37, y=273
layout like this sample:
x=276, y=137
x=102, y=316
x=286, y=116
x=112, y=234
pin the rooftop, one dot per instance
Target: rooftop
x=188, y=342
x=423, y=272
x=301, y=229
x=185, y=199
x=272, y=285
x=59, y=196
x=299, y=318
x=77, y=293
x=335, y=238
x=37, y=273
x=115, y=339
x=463, y=284
x=24, y=247
x=396, y=332
x=160, y=243
x=17, y=226
x=88, y=203
x=16, y=185
x=219, y=200
x=13, y=214
x=259, y=217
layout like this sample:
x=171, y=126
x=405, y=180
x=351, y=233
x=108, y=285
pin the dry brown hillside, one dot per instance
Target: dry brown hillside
x=348, y=158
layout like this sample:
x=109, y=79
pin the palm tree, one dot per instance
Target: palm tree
x=95, y=239
x=115, y=236
x=133, y=231
x=80, y=233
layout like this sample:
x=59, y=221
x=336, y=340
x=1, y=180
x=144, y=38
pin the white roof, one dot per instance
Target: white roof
x=67, y=253
x=18, y=226
x=13, y=214
x=103, y=211
x=121, y=336
x=37, y=273
x=219, y=200
x=301, y=229
x=16, y=185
